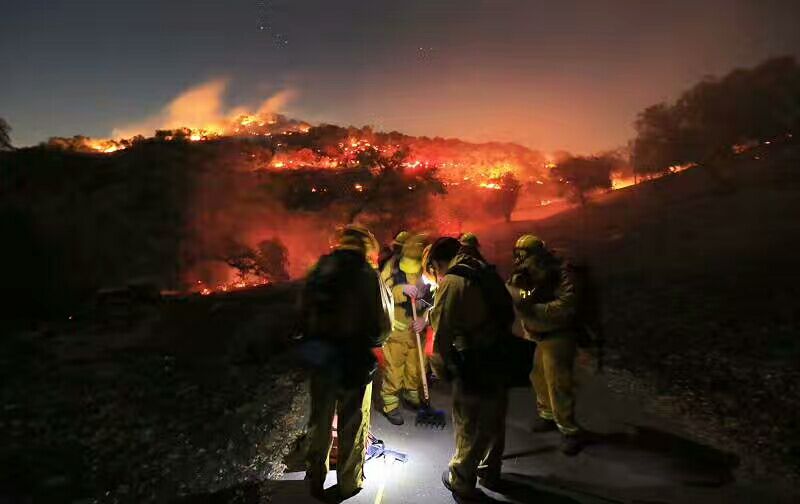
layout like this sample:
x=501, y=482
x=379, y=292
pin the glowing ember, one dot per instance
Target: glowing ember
x=104, y=146
x=621, y=182
x=238, y=284
x=490, y=185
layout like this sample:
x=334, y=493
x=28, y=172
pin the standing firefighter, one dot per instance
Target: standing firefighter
x=389, y=252
x=545, y=300
x=402, y=375
x=469, y=243
x=472, y=316
x=346, y=312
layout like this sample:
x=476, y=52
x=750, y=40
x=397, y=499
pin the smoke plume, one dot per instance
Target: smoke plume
x=201, y=106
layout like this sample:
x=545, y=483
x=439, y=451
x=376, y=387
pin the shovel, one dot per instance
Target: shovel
x=426, y=415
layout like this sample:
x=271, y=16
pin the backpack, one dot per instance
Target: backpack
x=493, y=290
x=513, y=359
x=588, y=312
x=338, y=298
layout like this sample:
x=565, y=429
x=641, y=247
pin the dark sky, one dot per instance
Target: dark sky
x=549, y=74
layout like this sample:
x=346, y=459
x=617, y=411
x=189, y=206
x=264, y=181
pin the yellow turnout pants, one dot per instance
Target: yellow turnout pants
x=353, y=407
x=401, y=374
x=551, y=377
x=479, y=421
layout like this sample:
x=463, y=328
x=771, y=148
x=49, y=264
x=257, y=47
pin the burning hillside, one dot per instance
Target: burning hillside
x=295, y=144
x=260, y=192
x=264, y=177
x=231, y=194
x=200, y=115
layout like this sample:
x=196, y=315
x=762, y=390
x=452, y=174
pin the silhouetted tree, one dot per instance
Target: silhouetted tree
x=580, y=175
x=244, y=260
x=5, y=135
x=272, y=259
x=503, y=200
x=390, y=198
x=710, y=119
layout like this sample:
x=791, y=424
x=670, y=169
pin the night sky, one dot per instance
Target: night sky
x=552, y=75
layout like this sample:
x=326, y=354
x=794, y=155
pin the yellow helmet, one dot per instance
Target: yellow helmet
x=469, y=240
x=411, y=256
x=529, y=243
x=401, y=238
x=355, y=237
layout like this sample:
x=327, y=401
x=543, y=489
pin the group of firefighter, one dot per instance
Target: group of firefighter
x=359, y=298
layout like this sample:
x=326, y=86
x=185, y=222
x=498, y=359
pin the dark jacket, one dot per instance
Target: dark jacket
x=345, y=312
x=472, y=325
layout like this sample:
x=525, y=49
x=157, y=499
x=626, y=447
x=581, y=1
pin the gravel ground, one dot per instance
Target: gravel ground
x=93, y=411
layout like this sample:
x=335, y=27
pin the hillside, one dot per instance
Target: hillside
x=699, y=312
x=179, y=213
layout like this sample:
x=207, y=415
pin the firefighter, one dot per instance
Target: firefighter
x=472, y=314
x=469, y=239
x=545, y=301
x=388, y=252
x=402, y=376
x=345, y=312
x=469, y=243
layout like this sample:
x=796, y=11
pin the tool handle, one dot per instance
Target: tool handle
x=425, y=392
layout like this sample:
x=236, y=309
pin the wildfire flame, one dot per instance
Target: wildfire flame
x=104, y=146
x=490, y=185
x=619, y=182
x=238, y=284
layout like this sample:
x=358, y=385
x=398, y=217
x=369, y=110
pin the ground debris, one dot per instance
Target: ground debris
x=138, y=422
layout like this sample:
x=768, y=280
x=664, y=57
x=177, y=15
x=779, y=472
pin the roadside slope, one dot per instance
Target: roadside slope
x=699, y=283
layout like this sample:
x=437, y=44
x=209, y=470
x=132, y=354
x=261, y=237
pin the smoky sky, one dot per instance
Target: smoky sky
x=552, y=75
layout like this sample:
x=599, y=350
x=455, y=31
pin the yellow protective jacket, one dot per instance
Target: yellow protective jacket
x=394, y=280
x=548, y=308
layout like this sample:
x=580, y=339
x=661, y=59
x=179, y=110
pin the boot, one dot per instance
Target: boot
x=540, y=424
x=316, y=483
x=491, y=481
x=572, y=444
x=472, y=495
x=412, y=405
x=394, y=416
x=343, y=495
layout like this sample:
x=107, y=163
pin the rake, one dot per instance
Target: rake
x=426, y=416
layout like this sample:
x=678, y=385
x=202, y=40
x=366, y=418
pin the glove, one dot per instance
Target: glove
x=521, y=279
x=411, y=291
x=519, y=298
x=419, y=325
